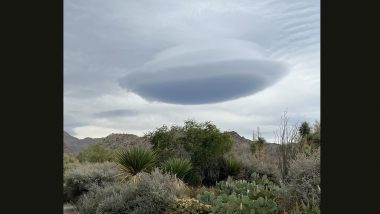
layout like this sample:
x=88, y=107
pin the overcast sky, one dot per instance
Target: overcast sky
x=131, y=66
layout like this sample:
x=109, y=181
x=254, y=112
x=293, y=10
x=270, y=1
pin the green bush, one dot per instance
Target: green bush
x=177, y=166
x=203, y=143
x=80, y=178
x=95, y=153
x=166, y=142
x=136, y=160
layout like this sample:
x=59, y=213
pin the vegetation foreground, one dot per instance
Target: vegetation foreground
x=195, y=168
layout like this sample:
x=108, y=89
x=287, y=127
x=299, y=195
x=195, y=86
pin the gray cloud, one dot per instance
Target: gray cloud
x=205, y=83
x=115, y=113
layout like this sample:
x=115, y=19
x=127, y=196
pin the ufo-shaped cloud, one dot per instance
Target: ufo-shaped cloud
x=205, y=83
x=205, y=72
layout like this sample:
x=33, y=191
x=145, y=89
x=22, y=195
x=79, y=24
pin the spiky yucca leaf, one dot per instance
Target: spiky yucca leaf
x=136, y=160
x=177, y=166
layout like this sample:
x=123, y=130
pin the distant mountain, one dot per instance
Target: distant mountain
x=122, y=140
x=270, y=149
x=74, y=145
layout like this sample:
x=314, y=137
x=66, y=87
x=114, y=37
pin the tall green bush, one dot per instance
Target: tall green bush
x=203, y=143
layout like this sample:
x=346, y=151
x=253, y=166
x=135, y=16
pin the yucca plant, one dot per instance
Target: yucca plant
x=177, y=166
x=136, y=160
x=233, y=166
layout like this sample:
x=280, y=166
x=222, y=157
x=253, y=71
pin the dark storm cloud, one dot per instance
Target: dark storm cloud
x=205, y=83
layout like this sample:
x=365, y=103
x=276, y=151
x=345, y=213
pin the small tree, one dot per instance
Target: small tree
x=166, y=142
x=304, y=130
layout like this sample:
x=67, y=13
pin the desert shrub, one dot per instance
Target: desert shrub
x=151, y=194
x=316, y=139
x=251, y=164
x=304, y=209
x=289, y=139
x=95, y=153
x=177, y=166
x=188, y=206
x=155, y=191
x=233, y=166
x=135, y=160
x=111, y=198
x=242, y=196
x=68, y=159
x=304, y=177
x=254, y=148
x=80, y=178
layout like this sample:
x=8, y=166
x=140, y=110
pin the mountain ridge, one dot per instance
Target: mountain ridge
x=116, y=140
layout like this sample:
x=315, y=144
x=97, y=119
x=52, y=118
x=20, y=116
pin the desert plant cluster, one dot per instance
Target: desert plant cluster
x=196, y=168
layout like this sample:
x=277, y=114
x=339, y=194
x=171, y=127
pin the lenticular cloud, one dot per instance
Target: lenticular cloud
x=204, y=72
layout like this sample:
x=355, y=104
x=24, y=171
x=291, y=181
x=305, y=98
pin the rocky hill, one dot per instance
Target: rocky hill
x=122, y=140
x=270, y=149
x=74, y=145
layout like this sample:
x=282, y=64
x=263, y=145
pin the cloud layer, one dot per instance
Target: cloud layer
x=131, y=66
